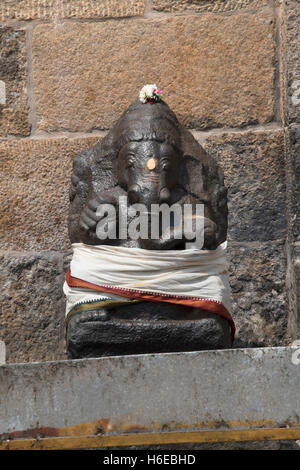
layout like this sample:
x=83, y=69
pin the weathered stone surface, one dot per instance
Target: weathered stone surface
x=293, y=59
x=297, y=272
x=206, y=5
x=13, y=79
x=214, y=70
x=295, y=209
x=57, y=9
x=260, y=304
x=32, y=306
x=149, y=394
x=32, y=303
x=295, y=180
x=35, y=180
x=254, y=167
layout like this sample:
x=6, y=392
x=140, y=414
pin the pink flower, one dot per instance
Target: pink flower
x=150, y=94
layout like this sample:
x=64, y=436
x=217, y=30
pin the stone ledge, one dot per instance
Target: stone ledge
x=222, y=392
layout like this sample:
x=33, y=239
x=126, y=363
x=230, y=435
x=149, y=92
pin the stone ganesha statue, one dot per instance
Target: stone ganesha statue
x=122, y=297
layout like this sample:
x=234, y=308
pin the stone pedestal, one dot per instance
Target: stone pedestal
x=155, y=399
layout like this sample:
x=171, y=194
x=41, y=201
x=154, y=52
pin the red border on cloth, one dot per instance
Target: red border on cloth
x=212, y=306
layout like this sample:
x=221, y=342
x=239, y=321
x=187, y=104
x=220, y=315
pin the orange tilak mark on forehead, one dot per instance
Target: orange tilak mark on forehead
x=151, y=163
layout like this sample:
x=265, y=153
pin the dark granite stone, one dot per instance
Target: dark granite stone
x=259, y=295
x=32, y=306
x=254, y=169
x=295, y=180
x=184, y=173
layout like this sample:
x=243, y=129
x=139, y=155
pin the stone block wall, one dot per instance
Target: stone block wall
x=229, y=69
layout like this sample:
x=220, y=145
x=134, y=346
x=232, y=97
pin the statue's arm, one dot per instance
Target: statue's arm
x=218, y=209
x=214, y=200
x=209, y=189
x=79, y=193
x=203, y=180
x=84, y=201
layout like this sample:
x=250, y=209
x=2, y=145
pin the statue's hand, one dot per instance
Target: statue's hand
x=210, y=235
x=204, y=236
x=89, y=217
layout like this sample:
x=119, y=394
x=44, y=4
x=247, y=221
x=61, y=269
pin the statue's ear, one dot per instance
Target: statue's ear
x=103, y=166
x=194, y=164
x=204, y=179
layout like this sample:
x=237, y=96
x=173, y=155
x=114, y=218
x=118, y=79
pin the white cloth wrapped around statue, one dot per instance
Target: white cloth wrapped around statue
x=106, y=276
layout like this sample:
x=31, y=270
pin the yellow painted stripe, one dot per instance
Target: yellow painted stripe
x=136, y=439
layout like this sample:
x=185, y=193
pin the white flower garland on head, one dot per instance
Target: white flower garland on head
x=150, y=94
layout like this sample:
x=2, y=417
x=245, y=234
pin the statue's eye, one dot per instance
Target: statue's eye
x=165, y=164
x=130, y=163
